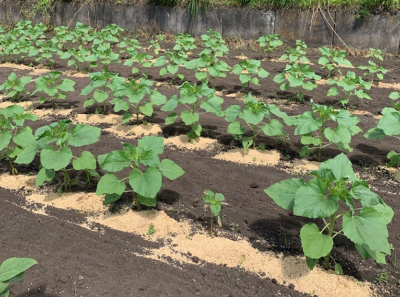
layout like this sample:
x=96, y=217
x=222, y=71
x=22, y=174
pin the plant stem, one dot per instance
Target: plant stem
x=137, y=114
x=320, y=144
x=328, y=256
x=254, y=128
x=211, y=227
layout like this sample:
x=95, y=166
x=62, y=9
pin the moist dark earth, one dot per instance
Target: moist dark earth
x=74, y=261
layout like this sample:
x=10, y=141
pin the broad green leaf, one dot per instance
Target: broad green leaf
x=375, y=133
x=339, y=135
x=338, y=269
x=147, y=183
x=390, y=124
x=67, y=85
x=85, y=161
x=367, y=228
x=232, y=112
x=251, y=116
x=189, y=118
x=274, y=128
x=311, y=201
x=115, y=161
x=315, y=244
x=361, y=191
x=306, y=123
x=386, y=212
x=148, y=201
x=171, y=105
x=341, y=167
x=110, y=184
x=283, y=192
x=110, y=198
x=147, y=109
x=5, y=138
x=366, y=253
x=82, y=134
x=311, y=262
x=215, y=209
x=55, y=159
x=236, y=128
x=24, y=138
x=171, y=118
x=212, y=105
x=152, y=143
x=170, y=169
x=14, y=266
x=305, y=151
x=43, y=176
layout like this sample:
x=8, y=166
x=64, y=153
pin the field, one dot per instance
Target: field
x=229, y=118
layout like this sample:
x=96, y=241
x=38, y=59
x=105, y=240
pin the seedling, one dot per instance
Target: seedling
x=191, y=97
x=374, y=53
x=257, y=116
x=151, y=230
x=142, y=59
x=54, y=142
x=51, y=84
x=332, y=59
x=214, y=44
x=249, y=71
x=139, y=96
x=175, y=59
x=389, y=125
x=155, y=43
x=214, y=201
x=145, y=178
x=297, y=54
x=13, y=270
x=77, y=56
x=373, y=70
x=207, y=67
x=270, y=43
x=14, y=87
x=314, y=128
x=351, y=85
x=104, y=54
x=364, y=216
x=184, y=43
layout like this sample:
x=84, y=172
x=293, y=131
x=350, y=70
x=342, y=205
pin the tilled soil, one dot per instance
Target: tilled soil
x=75, y=261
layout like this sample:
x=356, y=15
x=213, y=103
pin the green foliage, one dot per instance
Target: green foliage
x=215, y=202
x=184, y=43
x=332, y=59
x=296, y=54
x=14, y=87
x=151, y=230
x=214, y=44
x=375, y=54
x=389, y=125
x=155, y=43
x=77, y=56
x=143, y=59
x=192, y=97
x=257, y=116
x=207, y=67
x=103, y=83
x=270, y=43
x=54, y=142
x=139, y=96
x=350, y=85
x=11, y=118
x=373, y=70
x=53, y=86
x=13, y=270
x=314, y=128
x=364, y=214
x=145, y=177
x=249, y=71
x=174, y=60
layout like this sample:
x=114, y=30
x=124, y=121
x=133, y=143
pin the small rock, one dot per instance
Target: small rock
x=369, y=114
x=80, y=277
x=274, y=281
x=195, y=259
x=63, y=279
x=254, y=185
x=291, y=286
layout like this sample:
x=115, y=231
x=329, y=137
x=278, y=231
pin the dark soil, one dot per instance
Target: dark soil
x=77, y=262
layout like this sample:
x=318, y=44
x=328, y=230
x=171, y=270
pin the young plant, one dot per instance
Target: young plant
x=297, y=76
x=363, y=214
x=102, y=83
x=314, y=128
x=184, y=43
x=44, y=50
x=193, y=96
x=389, y=125
x=139, y=96
x=155, y=43
x=270, y=43
x=77, y=56
x=54, y=142
x=296, y=54
x=249, y=71
x=214, y=44
x=14, y=87
x=374, y=53
x=351, y=85
x=145, y=177
x=373, y=70
x=104, y=54
x=12, y=270
x=257, y=115
x=11, y=118
x=214, y=201
x=207, y=67
x=52, y=85
x=174, y=60
x=143, y=59
x=333, y=59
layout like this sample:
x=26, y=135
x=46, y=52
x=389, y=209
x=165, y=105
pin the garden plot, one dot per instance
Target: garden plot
x=119, y=159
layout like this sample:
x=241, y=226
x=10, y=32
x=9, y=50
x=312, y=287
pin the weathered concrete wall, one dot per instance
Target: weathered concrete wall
x=313, y=27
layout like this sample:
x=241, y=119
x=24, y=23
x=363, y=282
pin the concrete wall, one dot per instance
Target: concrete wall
x=314, y=27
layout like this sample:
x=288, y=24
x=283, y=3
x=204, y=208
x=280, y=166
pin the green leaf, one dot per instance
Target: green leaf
x=82, y=134
x=171, y=105
x=5, y=138
x=215, y=209
x=283, y=192
x=189, y=118
x=367, y=253
x=148, y=201
x=306, y=123
x=43, y=176
x=110, y=184
x=315, y=244
x=311, y=202
x=390, y=123
x=274, y=128
x=147, y=183
x=232, y=112
x=375, y=133
x=14, y=266
x=360, y=191
x=55, y=159
x=110, y=198
x=339, y=135
x=212, y=105
x=386, y=212
x=147, y=109
x=253, y=117
x=152, y=143
x=341, y=167
x=236, y=128
x=170, y=169
x=311, y=262
x=115, y=161
x=367, y=228
x=305, y=151
x=85, y=161
x=338, y=269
